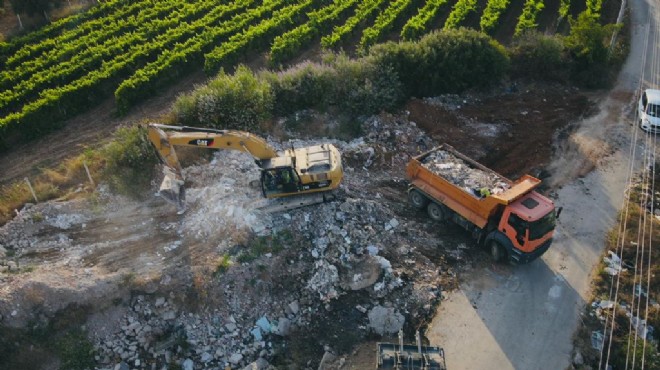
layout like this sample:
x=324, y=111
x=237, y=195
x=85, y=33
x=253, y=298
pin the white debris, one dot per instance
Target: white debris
x=65, y=221
x=462, y=174
x=597, y=340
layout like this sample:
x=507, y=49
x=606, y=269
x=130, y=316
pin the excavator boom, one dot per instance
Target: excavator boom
x=165, y=138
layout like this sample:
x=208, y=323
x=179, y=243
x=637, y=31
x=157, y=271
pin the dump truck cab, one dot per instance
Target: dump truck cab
x=528, y=225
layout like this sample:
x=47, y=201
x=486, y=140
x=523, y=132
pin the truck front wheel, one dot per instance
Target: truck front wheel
x=417, y=199
x=497, y=252
x=436, y=212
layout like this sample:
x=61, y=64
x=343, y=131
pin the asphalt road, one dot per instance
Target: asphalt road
x=524, y=317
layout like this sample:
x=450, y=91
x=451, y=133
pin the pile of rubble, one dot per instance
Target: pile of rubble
x=455, y=170
x=355, y=254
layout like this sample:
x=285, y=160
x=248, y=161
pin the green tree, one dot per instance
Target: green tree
x=588, y=46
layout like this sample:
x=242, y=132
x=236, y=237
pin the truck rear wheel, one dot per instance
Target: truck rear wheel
x=497, y=252
x=436, y=212
x=417, y=199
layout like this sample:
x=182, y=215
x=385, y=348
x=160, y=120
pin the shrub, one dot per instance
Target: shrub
x=303, y=86
x=356, y=87
x=445, y=61
x=363, y=87
x=130, y=161
x=588, y=46
x=239, y=101
x=538, y=56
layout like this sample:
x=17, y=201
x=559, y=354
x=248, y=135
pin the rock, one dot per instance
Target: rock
x=230, y=326
x=294, y=307
x=187, y=364
x=12, y=265
x=260, y=364
x=372, y=250
x=327, y=361
x=169, y=315
x=264, y=324
x=3, y=252
x=385, y=320
x=122, y=366
x=256, y=333
x=361, y=274
x=235, y=358
x=578, y=360
x=206, y=357
x=283, y=326
x=160, y=302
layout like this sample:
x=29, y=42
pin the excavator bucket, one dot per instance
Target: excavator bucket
x=172, y=190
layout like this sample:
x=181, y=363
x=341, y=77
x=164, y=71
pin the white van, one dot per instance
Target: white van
x=649, y=110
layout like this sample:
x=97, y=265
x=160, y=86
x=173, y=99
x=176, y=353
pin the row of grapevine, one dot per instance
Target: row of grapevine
x=527, y=20
x=59, y=26
x=74, y=94
x=171, y=61
x=459, y=12
x=418, y=25
x=491, y=15
x=286, y=45
x=362, y=13
x=228, y=51
x=384, y=23
x=108, y=34
x=76, y=67
x=46, y=43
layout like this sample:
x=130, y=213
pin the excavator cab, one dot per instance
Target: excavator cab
x=278, y=181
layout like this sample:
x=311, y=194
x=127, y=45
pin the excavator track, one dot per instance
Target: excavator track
x=292, y=202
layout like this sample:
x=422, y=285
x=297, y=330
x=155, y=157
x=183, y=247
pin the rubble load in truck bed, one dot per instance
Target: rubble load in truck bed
x=460, y=173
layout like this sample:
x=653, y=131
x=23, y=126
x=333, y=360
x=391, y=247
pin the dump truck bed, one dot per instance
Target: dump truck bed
x=456, y=181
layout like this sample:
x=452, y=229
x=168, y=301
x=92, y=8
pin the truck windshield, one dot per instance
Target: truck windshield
x=542, y=226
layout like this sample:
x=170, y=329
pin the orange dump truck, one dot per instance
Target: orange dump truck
x=515, y=222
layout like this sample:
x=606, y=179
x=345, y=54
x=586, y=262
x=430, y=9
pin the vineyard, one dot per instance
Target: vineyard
x=132, y=49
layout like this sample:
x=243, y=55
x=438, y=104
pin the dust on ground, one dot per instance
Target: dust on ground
x=228, y=285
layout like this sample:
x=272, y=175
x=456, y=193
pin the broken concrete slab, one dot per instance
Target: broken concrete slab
x=385, y=320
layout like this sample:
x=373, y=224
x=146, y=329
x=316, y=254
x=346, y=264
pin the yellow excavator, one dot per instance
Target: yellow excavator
x=296, y=171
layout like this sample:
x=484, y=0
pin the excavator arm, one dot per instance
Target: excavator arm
x=165, y=138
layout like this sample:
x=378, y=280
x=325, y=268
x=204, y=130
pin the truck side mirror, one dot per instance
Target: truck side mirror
x=559, y=212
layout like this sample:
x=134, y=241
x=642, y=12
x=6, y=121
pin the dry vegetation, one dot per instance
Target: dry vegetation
x=635, y=290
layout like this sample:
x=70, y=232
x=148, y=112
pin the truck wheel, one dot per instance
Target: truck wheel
x=417, y=199
x=436, y=212
x=496, y=251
